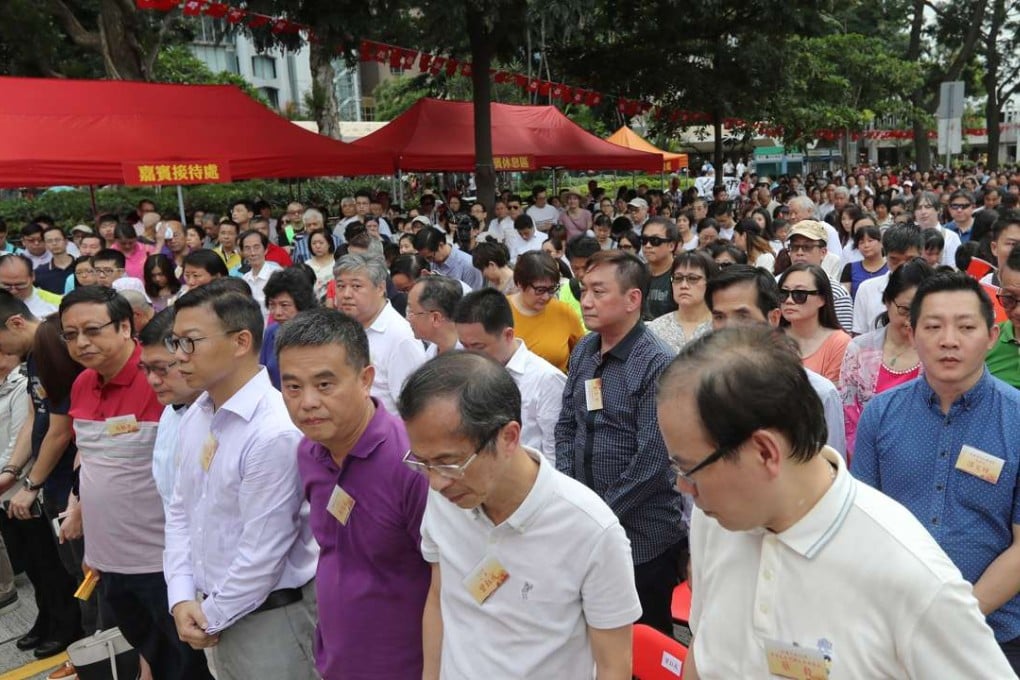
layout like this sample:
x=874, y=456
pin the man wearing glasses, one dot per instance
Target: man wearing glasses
x=236, y=533
x=365, y=504
x=109, y=266
x=115, y=414
x=781, y=586
x=1003, y=359
x=34, y=245
x=1004, y=237
x=659, y=238
x=16, y=277
x=531, y=572
x=961, y=210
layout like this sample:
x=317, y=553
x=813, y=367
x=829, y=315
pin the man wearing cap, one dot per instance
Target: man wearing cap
x=637, y=211
x=541, y=213
x=78, y=231
x=526, y=238
x=807, y=245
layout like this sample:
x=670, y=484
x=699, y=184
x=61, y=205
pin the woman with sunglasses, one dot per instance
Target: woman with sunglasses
x=692, y=318
x=809, y=317
x=884, y=358
x=547, y=325
x=629, y=242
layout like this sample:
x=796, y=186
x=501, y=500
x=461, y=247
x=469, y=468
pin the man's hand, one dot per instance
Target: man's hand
x=21, y=504
x=191, y=623
x=70, y=527
x=7, y=480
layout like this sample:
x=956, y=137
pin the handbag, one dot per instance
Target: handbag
x=104, y=656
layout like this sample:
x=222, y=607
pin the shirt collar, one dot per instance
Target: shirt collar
x=622, y=349
x=129, y=371
x=968, y=400
x=540, y=493
x=815, y=529
x=1007, y=334
x=375, y=434
x=519, y=360
x=243, y=402
x=382, y=319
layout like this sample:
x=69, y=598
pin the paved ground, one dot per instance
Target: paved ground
x=14, y=624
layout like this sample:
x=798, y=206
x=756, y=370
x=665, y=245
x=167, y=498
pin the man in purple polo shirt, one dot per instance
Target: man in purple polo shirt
x=366, y=505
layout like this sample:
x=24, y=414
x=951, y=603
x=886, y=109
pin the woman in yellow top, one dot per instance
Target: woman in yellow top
x=549, y=327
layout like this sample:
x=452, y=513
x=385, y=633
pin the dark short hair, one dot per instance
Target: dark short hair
x=207, y=260
x=486, y=396
x=106, y=218
x=330, y=243
x=746, y=379
x=933, y=240
x=234, y=310
x=738, y=274
x=12, y=306
x=110, y=255
x=719, y=247
x=429, y=238
x=900, y=238
x=230, y=223
x=32, y=229
x=488, y=307
x=582, y=246
x=246, y=203
x=869, y=231
x=949, y=282
x=439, y=294
x=322, y=326
x=631, y=272
x=8, y=258
x=668, y=226
x=410, y=265
x=1007, y=219
x=962, y=193
x=490, y=251
x=1013, y=259
x=159, y=328
x=695, y=260
x=535, y=265
x=53, y=227
x=125, y=231
x=910, y=275
x=263, y=239
x=117, y=306
x=523, y=221
x=294, y=282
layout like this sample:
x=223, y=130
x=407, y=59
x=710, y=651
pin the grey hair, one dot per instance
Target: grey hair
x=322, y=326
x=929, y=197
x=803, y=203
x=487, y=397
x=373, y=265
x=348, y=200
x=842, y=191
x=136, y=299
x=312, y=212
x=440, y=294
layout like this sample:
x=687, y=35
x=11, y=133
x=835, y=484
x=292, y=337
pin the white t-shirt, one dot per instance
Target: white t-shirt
x=548, y=213
x=811, y=585
x=868, y=303
x=569, y=566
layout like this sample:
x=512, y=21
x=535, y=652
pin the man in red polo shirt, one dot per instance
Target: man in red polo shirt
x=115, y=414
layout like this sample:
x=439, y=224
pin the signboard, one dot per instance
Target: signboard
x=512, y=163
x=950, y=136
x=149, y=173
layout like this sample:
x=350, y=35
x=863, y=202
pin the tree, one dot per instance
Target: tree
x=176, y=64
x=1001, y=76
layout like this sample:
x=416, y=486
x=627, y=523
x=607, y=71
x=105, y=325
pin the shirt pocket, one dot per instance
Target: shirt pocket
x=994, y=501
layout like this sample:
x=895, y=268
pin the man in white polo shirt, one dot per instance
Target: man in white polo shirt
x=799, y=570
x=395, y=352
x=531, y=571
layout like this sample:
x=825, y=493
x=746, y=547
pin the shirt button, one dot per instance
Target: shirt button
x=943, y=454
x=938, y=487
x=764, y=609
x=767, y=574
x=934, y=520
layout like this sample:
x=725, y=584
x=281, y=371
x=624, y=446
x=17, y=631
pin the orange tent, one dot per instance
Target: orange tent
x=626, y=137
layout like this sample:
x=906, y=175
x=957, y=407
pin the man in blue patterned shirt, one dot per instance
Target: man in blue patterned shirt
x=947, y=446
x=607, y=436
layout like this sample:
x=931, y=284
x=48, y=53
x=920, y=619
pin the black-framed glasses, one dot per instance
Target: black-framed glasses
x=448, y=471
x=799, y=296
x=802, y=247
x=654, y=241
x=161, y=370
x=902, y=310
x=689, y=279
x=187, y=345
x=107, y=271
x=1008, y=302
x=16, y=286
x=89, y=332
x=546, y=290
x=715, y=456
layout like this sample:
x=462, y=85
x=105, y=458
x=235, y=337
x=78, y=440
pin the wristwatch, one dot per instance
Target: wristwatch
x=30, y=486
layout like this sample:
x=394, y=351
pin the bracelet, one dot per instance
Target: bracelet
x=13, y=470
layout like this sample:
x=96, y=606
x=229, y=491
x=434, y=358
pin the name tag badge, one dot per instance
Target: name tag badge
x=593, y=394
x=209, y=451
x=340, y=504
x=485, y=579
x=980, y=464
x=800, y=663
x=121, y=425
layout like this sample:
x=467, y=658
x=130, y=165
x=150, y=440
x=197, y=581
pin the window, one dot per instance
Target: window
x=263, y=67
x=368, y=113
x=208, y=30
x=272, y=95
x=396, y=70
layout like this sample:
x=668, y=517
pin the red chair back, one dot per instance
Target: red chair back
x=681, y=605
x=657, y=656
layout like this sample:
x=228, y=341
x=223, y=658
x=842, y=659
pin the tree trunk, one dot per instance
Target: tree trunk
x=717, y=151
x=990, y=79
x=123, y=57
x=922, y=146
x=481, y=59
x=326, y=113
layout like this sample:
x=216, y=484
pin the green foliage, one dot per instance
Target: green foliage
x=396, y=95
x=176, y=64
x=841, y=82
x=33, y=44
x=72, y=207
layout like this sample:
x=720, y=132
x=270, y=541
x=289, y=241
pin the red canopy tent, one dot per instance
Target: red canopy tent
x=120, y=132
x=439, y=135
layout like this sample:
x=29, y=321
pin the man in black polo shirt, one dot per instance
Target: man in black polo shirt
x=606, y=436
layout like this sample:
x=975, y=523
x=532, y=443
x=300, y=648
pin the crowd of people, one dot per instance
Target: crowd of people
x=434, y=442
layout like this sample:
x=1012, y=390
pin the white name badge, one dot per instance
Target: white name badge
x=791, y=661
x=980, y=464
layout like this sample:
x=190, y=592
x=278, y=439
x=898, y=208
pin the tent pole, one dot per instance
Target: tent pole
x=180, y=204
x=92, y=195
x=398, y=180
